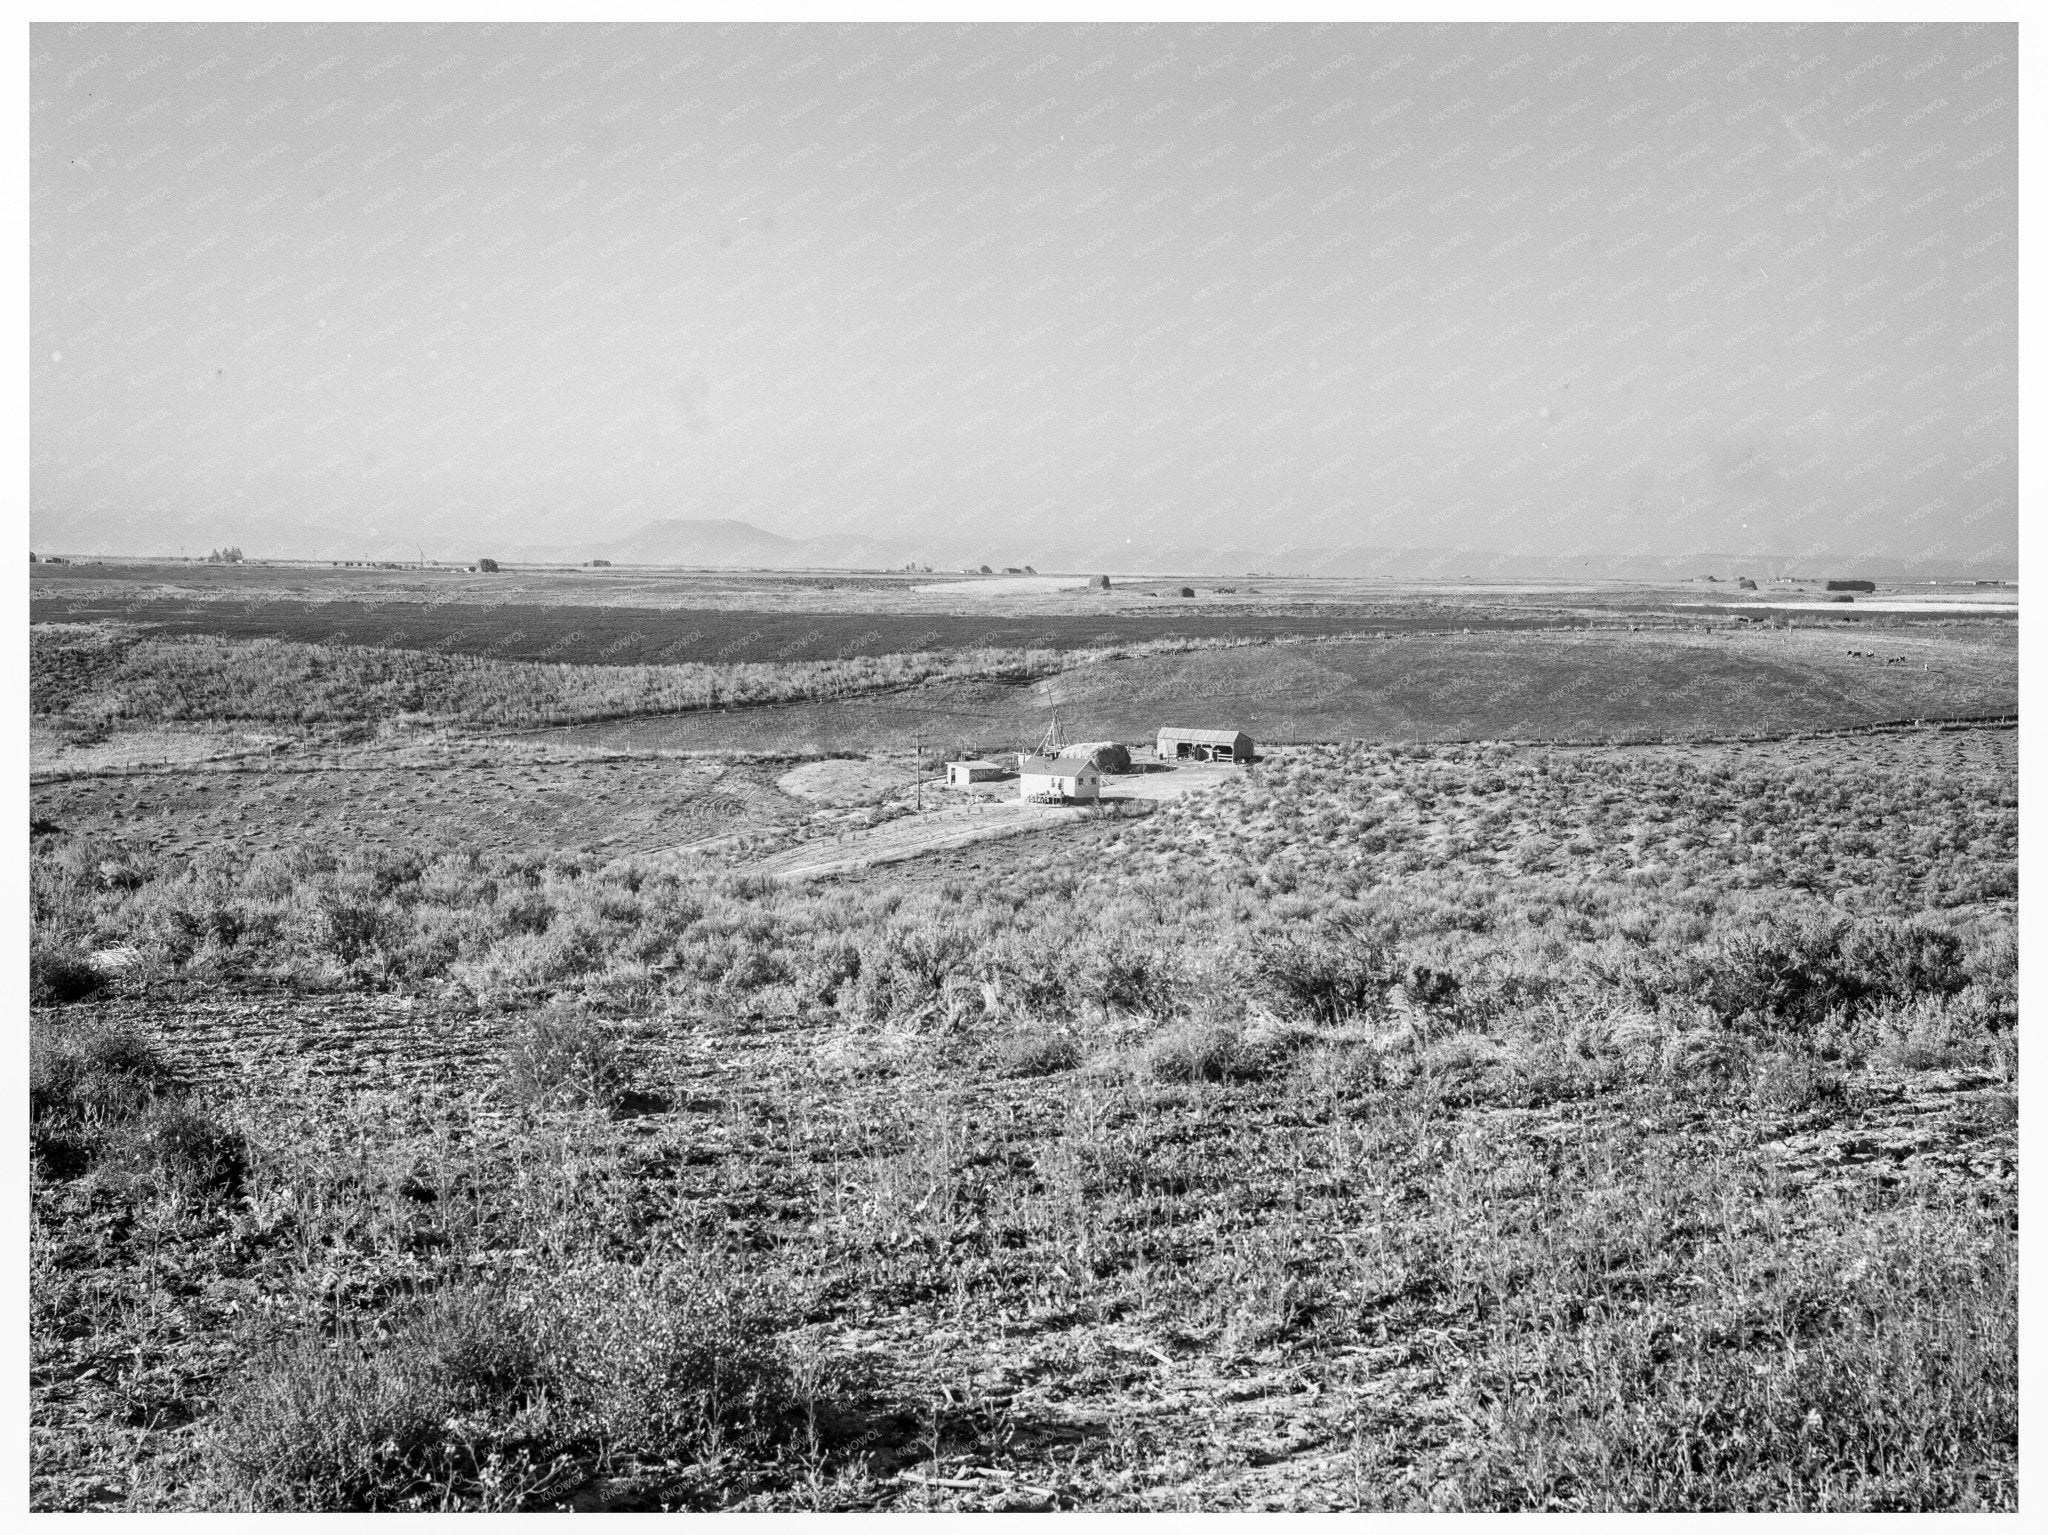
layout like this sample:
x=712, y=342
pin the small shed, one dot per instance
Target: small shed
x=1044, y=778
x=1203, y=745
x=959, y=774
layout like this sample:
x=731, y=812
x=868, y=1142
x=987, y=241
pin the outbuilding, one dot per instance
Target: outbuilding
x=1044, y=778
x=960, y=774
x=1176, y=744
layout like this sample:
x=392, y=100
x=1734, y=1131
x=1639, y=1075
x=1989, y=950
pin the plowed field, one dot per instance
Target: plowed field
x=1433, y=687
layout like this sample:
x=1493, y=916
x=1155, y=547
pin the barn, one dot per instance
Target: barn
x=1203, y=745
x=960, y=774
x=1043, y=778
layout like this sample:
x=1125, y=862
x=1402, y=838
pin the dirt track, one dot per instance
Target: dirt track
x=912, y=836
x=982, y=814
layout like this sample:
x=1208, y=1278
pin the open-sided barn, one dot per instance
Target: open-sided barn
x=1204, y=745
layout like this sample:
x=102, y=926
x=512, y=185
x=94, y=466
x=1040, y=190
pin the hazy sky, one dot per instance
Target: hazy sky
x=1613, y=288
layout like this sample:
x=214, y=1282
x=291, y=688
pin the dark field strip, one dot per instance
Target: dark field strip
x=644, y=636
x=1602, y=686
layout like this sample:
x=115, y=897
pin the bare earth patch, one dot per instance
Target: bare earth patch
x=847, y=780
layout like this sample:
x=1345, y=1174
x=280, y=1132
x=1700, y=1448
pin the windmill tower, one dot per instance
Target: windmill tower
x=1049, y=745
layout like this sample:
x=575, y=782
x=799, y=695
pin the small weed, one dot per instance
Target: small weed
x=670, y=1357
x=95, y=1069
x=1197, y=1051
x=1039, y=1052
x=1795, y=1084
x=178, y=1149
x=319, y=1425
x=59, y=972
x=86, y=1078
x=561, y=1058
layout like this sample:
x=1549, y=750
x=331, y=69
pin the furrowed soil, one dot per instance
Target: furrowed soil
x=1002, y=1379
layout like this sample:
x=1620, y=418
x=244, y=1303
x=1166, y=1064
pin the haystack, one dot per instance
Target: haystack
x=1108, y=756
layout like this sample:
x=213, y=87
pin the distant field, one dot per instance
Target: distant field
x=1652, y=685
x=656, y=636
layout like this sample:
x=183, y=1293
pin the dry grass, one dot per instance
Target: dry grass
x=376, y=800
x=90, y=680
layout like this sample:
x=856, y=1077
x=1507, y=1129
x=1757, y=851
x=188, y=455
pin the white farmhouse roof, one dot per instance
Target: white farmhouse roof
x=1057, y=767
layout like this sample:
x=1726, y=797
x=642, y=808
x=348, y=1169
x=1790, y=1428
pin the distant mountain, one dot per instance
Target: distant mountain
x=728, y=543
x=698, y=541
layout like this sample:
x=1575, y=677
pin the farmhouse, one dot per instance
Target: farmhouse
x=960, y=774
x=1204, y=745
x=1044, y=778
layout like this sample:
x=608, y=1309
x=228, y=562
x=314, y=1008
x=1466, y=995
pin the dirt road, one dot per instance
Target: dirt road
x=910, y=836
x=979, y=814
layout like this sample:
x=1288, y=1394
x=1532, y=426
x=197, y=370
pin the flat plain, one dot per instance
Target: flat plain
x=1574, y=1067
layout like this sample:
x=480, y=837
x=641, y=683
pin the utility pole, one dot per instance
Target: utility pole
x=917, y=767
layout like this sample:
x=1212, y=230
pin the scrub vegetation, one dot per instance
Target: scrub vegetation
x=93, y=678
x=1398, y=1127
